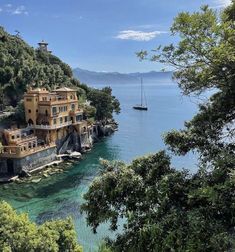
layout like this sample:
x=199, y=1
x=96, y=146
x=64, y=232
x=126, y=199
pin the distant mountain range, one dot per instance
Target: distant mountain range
x=107, y=78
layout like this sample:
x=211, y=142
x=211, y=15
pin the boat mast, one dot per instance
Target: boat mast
x=141, y=91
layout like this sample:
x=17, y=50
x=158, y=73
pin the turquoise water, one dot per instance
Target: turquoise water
x=140, y=133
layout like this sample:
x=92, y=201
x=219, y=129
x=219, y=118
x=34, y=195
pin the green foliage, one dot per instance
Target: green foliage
x=19, y=115
x=169, y=210
x=164, y=209
x=104, y=102
x=21, y=235
x=104, y=248
x=16, y=117
x=89, y=111
x=21, y=66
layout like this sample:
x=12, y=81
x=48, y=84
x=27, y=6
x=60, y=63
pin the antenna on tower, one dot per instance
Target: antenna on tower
x=17, y=33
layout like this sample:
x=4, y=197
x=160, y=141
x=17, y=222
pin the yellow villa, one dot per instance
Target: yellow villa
x=50, y=113
x=54, y=121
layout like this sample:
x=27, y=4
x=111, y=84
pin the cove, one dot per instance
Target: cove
x=139, y=133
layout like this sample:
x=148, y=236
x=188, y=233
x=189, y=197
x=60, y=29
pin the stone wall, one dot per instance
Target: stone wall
x=14, y=166
x=3, y=166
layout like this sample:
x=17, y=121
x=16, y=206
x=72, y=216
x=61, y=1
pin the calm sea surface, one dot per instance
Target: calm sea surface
x=140, y=133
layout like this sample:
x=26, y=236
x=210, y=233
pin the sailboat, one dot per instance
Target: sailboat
x=141, y=106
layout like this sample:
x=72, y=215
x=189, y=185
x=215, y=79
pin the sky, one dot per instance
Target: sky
x=98, y=35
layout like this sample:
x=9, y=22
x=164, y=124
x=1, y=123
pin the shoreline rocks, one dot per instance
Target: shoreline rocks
x=64, y=160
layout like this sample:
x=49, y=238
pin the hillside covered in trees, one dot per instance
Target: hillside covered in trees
x=22, y=66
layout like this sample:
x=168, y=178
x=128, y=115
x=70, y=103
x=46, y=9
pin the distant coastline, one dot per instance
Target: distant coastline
x=107, y=78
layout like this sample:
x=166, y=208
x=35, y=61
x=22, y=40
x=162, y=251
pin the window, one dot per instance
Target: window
x=65, y=119
x=54, y=110
x=79, y=118
x=54, y=121
x=29, y=99
x=29, y=111
x=12, y=137
x=61, y=119
x=62, y=109
x=73, y=107
x=17, y=136
x=36, y=110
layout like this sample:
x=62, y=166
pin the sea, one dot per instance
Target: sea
x=139, y=133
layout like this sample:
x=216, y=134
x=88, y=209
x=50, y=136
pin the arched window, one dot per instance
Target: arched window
x=73, y=107
x=30, y=122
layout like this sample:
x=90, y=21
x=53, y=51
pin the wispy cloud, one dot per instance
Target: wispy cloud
x=14, y=10
x=138, y=35
x=221, y=3
x=20, y=10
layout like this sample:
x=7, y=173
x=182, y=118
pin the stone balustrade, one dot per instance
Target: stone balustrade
x=51, y=127
x=19, y=151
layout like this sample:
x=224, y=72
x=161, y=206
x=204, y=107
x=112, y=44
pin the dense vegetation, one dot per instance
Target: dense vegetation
x=166, y=209
x=21, y=235
x=104, y=102
x=22, y=66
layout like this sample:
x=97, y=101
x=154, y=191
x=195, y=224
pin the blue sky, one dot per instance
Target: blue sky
x=99, y=35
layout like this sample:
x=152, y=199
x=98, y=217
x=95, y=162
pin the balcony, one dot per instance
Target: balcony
x=76, y=112
x=22, y=139
x=51, y=127
x=56, y=101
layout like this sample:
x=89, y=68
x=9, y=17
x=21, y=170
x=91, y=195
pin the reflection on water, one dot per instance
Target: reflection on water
x=139, y=133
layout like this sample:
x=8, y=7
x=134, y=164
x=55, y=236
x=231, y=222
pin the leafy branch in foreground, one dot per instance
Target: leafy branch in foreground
x=17, y=233
x=164, y=209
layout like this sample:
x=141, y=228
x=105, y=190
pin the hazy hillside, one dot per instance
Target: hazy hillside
x=107, y=78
